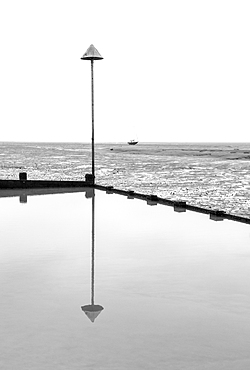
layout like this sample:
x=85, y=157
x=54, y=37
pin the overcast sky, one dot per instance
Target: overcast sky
x=173, y=70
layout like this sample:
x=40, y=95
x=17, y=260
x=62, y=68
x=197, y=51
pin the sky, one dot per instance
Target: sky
x=173, y=70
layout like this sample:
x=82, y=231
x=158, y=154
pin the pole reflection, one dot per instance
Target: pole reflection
x=92, y=310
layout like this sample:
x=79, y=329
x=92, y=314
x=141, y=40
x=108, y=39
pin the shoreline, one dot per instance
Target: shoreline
x=24, y=188
x=212, y=178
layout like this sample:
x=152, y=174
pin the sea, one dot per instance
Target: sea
x=209, y=175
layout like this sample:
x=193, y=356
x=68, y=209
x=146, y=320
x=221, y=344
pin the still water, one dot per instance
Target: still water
x=163, y=290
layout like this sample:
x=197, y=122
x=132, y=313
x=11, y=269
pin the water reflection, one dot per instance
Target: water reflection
x=23, y=198
x=92, y=310
x=188, y=277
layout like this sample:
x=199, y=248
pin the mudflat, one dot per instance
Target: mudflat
x=210, y=175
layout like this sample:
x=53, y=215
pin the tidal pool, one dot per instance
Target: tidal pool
x=110, y=283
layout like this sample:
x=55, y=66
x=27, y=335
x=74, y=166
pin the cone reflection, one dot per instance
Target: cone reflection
x=92, y=310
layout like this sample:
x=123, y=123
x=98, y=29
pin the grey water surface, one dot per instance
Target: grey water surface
x=174, y=286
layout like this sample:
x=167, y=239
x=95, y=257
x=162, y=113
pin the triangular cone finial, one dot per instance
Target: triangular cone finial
x=91, y=54
x=92, y=311
x=92, y=315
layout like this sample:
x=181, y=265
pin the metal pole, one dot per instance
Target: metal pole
x=93, y=132
x=93, y=250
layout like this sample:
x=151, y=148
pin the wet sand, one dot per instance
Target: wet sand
x=213, y=176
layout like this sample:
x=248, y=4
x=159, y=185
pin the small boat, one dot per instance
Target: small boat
x=132, y=142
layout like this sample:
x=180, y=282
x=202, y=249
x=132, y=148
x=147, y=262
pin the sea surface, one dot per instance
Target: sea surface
x=210, y=175
x=97, y=281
